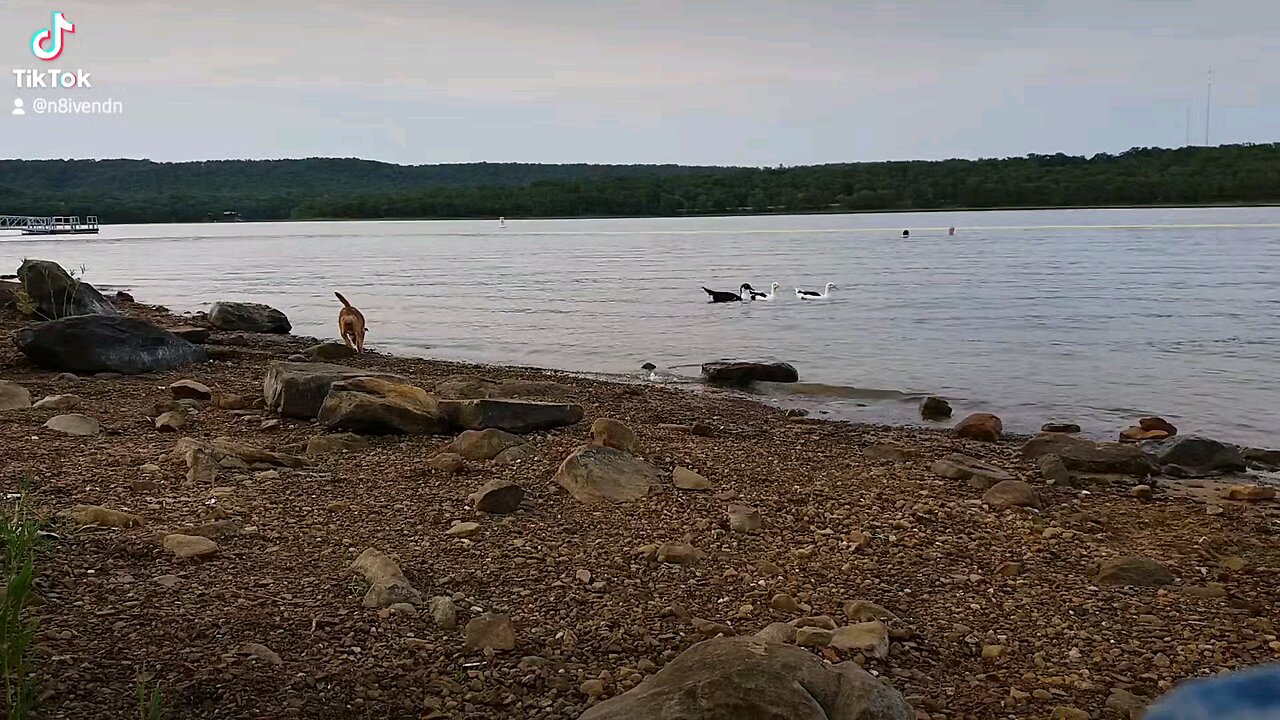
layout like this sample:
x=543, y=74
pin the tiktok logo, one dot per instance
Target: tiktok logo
x=46, y=44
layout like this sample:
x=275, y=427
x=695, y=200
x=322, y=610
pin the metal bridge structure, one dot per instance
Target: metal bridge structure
x=52, y=225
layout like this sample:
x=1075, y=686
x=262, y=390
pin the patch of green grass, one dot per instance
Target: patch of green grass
x=20, y=536
x=150, y=698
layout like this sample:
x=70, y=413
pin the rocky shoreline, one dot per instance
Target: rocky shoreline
x=414, y=545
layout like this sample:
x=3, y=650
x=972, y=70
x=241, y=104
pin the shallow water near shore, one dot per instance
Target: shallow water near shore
x=1094, y=316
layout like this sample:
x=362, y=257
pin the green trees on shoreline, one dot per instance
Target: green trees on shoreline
x=131, y=191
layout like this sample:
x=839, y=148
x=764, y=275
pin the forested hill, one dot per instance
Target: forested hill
x=124, y=191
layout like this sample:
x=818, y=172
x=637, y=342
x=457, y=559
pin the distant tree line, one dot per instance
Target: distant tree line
x=134, y=191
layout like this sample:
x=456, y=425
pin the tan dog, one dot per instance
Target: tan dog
x=351, y=325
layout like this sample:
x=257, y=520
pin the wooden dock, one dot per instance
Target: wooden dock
x=57, y=225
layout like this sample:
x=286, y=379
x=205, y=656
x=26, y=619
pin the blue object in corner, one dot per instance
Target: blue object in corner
x=1252, y=694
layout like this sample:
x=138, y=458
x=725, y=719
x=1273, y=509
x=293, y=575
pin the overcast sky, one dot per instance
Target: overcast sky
x=740, y=82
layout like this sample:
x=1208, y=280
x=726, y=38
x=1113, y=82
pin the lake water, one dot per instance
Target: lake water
x=1096, y=316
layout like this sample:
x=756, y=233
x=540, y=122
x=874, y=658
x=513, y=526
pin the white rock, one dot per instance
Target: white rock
x=81, y=425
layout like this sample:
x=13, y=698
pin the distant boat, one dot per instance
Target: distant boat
x=502, y=222
x=228, y=216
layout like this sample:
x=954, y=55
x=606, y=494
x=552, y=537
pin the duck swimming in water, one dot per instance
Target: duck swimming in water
x=720, y=296
x=814, y=294
x=772, y=294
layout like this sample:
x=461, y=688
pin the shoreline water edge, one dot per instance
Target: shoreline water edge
x=247, y=519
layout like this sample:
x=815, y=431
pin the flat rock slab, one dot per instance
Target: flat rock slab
x=374, y=406
x=599, y=474
x=734, y=678
x=336, y=442
x=978, y=474
x=1139, y=571
x=56, y=402
x=190, y=546
x=686, y=479
x=1083, y=455
x=13, y=396
x=74, y=424
x=471, y=387
x=298, y=390
x=747, y=372
x=871, y=636
x=515, y=416
x=891, y=453
x=91, y=344
x=194, y=452
x=253, y=317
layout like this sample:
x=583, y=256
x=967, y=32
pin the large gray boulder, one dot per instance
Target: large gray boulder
x=298, y=390
x=598, y=474
x=515, y=416
x=749, y=678
x=745, y=372
x=251, y=317
x=373, y=406
x=1083, y=455
x=56, y=294
x=1198, y=455
x=105, y=343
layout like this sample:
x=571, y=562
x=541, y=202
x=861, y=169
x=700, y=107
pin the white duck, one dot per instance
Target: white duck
x=814, y=294
x=772, y=294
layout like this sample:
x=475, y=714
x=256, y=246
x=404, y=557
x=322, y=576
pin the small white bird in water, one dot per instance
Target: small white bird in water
x=772, y=294
x=814, y=294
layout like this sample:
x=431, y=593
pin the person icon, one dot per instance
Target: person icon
x=17, y=107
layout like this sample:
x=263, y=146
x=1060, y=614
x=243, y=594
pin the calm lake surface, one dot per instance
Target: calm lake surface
x=1096, y=316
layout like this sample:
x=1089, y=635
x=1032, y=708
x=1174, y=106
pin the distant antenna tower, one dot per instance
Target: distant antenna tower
x=1208, y=106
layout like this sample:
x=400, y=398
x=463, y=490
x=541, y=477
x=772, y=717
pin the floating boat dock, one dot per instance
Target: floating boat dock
x=61, y=225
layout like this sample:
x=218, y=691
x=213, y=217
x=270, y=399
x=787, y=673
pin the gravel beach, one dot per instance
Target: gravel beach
x=989, y=612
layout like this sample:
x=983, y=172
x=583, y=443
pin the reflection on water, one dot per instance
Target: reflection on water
x=1093, y=316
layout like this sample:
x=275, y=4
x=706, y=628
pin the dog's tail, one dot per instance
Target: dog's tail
x=344, y=300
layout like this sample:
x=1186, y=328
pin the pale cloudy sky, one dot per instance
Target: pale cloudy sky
x=747, y=82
